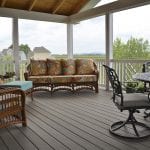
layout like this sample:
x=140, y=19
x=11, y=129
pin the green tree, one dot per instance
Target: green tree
x=22, y=47
x=133, y=49
x=118, y=49
x=25, y=48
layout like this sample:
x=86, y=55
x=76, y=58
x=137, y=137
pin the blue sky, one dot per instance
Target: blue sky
x=89, y=35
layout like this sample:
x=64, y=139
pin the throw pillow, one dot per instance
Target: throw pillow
x=54, y=67
x=84, y=66
x=68, y=66
x=38, y=67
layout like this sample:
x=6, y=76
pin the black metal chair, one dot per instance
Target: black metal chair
x=130, y=128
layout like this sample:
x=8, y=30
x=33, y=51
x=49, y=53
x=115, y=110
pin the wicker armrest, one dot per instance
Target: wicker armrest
x=96, y=72
x=26, y=75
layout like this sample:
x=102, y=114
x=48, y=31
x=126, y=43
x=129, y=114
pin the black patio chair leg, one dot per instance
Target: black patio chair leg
x=123, y=123
x=135, y=130
x=114, y=129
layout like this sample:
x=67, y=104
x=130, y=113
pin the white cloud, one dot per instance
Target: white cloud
x=5, y=32
x=50, y=35
x=133, y=22
x=89, y=36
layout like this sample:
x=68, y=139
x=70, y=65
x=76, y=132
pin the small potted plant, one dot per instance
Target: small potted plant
x=140, y=88
x=131, y=87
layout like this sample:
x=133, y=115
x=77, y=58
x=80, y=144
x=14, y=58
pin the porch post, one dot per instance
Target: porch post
x=109, y=41
x=70, y=40
x=15, y=42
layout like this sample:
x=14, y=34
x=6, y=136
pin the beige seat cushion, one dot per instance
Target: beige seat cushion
x=84, y=78
x=84, y=66
x=61, y=79
x=68, y=66
x=40, y=79
x=54, y=67
x=38, y=67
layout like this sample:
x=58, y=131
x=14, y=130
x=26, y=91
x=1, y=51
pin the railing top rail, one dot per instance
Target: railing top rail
x=123, y=60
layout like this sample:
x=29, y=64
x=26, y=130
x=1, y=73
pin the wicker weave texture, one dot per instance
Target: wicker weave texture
x=12, y=107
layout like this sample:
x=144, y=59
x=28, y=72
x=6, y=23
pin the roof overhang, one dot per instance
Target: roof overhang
x=23, y=14
x=107, y=8
x=88, y=14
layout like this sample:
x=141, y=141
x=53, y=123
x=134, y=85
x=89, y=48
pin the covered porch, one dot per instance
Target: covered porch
x=67, y=121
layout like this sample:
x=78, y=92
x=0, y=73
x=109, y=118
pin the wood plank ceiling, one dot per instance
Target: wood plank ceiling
x=60, y=7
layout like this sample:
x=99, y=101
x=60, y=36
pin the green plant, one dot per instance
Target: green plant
x=140, y=88
x=131, y=87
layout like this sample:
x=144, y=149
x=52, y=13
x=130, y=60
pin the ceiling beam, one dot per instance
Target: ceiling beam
x=58, y=5
x=90, y=5
x=79, y=6
x=107, y=8
x=32, y=5
x=24, y=14
x=3, y=3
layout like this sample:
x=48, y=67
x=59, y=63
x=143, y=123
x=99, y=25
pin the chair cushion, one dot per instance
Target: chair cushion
x=54, y=67
x=61, y=79
x=23, y=85
x=83, y=78
x=135, y=100
x=68, y=66
x=40, y=79
x=38, y=67
x=84, y=66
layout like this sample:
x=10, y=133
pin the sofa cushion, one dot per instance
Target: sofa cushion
x=61, y=79
x=38, y=67
x=40, y=79
x=54, y=67
x=84, y=78
x=84, y=66
x=68, y=66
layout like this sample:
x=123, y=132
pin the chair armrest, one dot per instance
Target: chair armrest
x=26, y=75
x=96, y=72
x=28, y=72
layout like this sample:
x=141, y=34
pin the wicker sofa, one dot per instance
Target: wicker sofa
x=63, y=74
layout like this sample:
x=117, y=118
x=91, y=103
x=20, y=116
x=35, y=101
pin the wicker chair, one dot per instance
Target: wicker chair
x=12, y=107
x=130, y=128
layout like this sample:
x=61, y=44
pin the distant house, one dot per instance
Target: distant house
x=22, y=55
x=41, y=53
x=9, y=51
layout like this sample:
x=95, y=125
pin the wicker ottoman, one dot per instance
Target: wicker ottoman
x=26, y=86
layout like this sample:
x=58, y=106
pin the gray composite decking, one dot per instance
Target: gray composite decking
x=66, y=121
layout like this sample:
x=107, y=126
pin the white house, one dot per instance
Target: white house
x=41, y=53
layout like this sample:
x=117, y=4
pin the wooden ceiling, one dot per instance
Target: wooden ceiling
x=60, y=7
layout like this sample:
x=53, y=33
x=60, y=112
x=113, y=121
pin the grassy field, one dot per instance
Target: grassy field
x=94, y=56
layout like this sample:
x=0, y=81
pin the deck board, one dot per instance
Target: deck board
x=2, y=145
x=9, y=140
x=66, y=121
